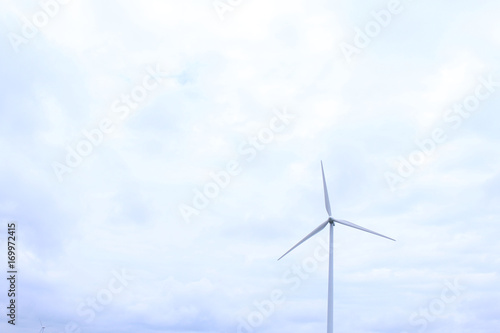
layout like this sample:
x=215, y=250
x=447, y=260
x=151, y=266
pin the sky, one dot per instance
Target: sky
x=158, y=157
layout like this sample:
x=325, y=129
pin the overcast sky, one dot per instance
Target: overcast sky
x=159, y=156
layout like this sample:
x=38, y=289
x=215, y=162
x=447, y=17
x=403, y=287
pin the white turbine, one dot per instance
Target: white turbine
x=42, y=328
x=332, y=222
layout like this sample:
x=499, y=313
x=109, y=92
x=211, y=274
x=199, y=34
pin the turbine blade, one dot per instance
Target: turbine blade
x=355, y=226
x=327, y=199
x=314, y=232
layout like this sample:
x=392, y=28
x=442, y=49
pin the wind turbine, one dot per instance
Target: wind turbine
x=42, y=328
x=332, y=222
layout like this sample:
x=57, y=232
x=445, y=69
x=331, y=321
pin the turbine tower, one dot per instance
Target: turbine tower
x=332, y=222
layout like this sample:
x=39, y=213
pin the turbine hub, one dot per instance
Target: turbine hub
x=331, y=220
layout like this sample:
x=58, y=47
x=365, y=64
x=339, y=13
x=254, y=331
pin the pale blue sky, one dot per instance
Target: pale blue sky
x=260, y=92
